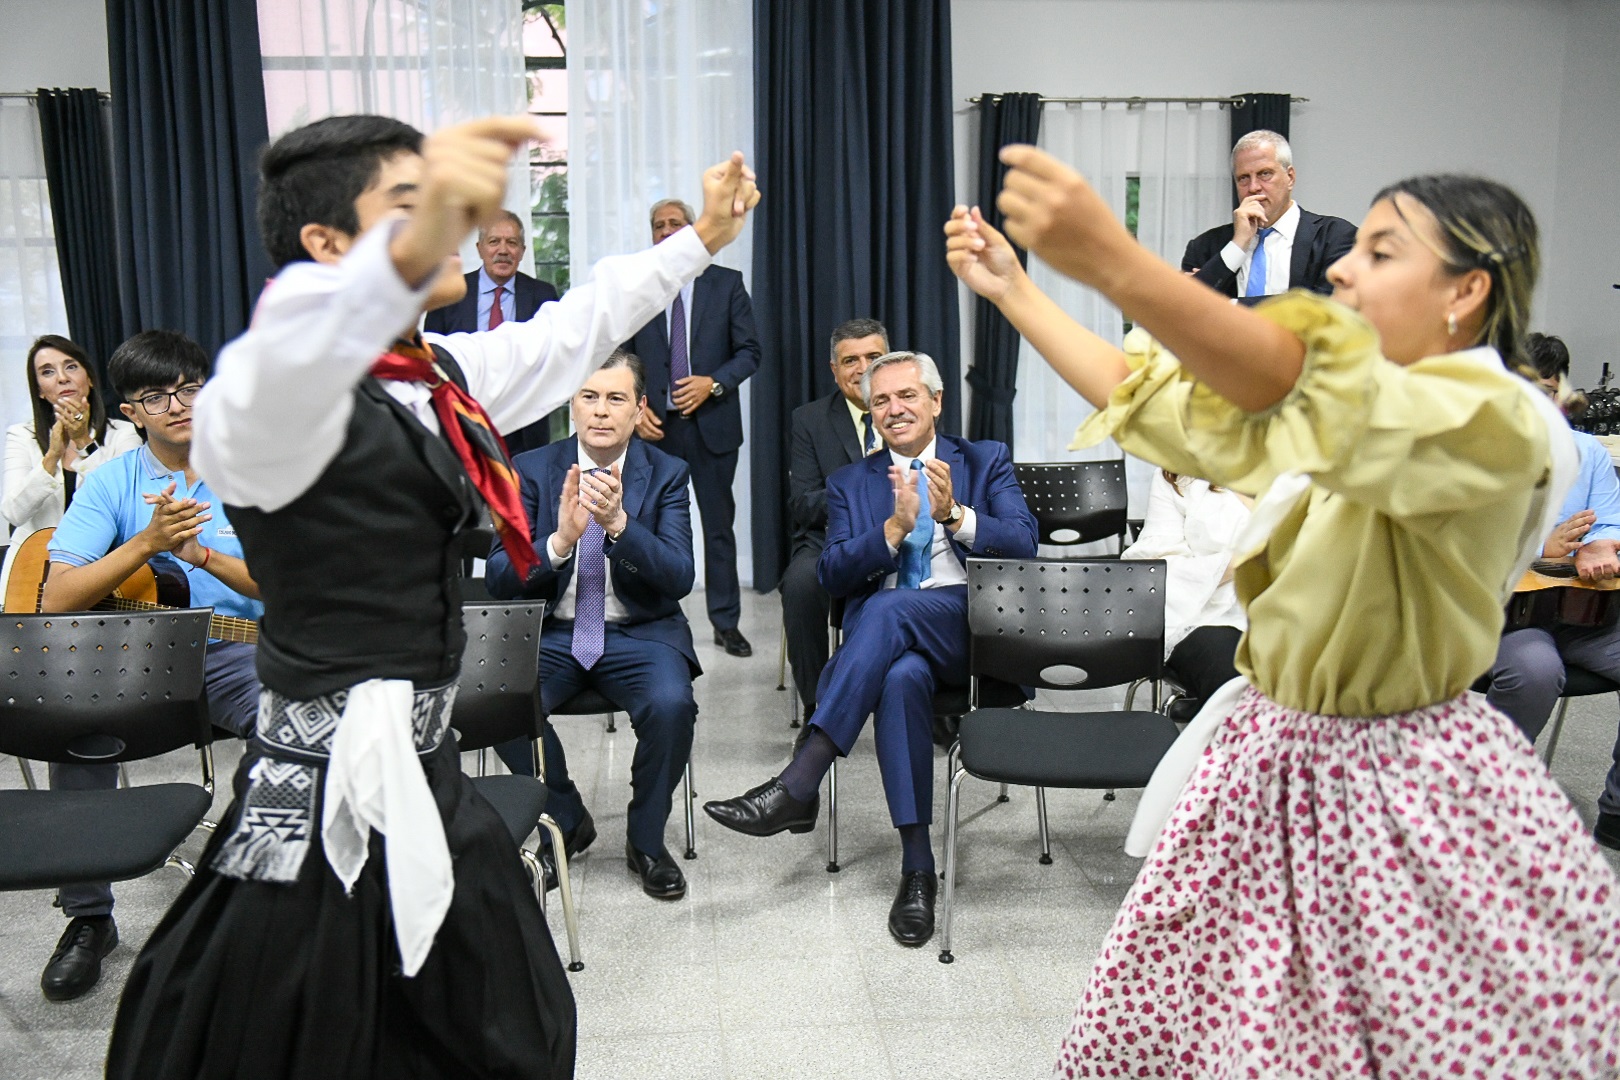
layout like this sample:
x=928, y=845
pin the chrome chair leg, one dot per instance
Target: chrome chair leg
x=483, y=762
x=1003, y=797
x=1046, y=836
x=691, y=826
x=611, y=727
x=954, y=802
x=185, y=867
x=1557, y=730
x=1130, y=694
x=564, y=886
x=832, y=818
x=27, y=774
x=123, y=775
x=781, y=661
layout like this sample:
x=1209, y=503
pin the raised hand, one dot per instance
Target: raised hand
x=980, y=255
x=1247, y=221
x=941, y=495
x=1566, y=535
x=74, y=416
x=906, y=505
x=728, y=194
x=1052, y=211
x=602, y=495
x=464, y=169
x=572, y=515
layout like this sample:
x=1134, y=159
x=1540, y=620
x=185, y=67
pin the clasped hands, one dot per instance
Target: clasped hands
x=587, y=495
x=175, y=526
x=1593, y=562
x=907, y=504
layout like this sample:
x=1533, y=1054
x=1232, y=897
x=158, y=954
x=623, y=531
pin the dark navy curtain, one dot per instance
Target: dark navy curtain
x=852, y=120
x=78, y=173
x=1259, y=112
x=1003, y=119
x=188, y=125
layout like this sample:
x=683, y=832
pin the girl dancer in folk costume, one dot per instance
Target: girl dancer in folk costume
x=361, y=912
x=1364, y=872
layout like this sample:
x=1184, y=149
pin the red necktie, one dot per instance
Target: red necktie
x=476, y=443
x=496, y=315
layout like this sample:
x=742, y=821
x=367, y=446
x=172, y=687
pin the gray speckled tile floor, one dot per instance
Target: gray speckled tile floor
x=770, y=966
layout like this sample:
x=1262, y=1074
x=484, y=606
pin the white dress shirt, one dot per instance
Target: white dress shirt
x=944, y=567
x=1279, y=255
x=614, y=610
x=1194, y=530
x=277, y=410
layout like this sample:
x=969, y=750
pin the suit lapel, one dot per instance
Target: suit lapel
x=1304, y=237
x=637, y=477
x=879, y=495
x=566, y=455
x=849, y=436
x=950, y=452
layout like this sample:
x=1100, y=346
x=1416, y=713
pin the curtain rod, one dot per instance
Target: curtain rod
x=32, y=95
x=1236, y=100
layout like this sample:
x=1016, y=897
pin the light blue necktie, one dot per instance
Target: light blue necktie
x=1257, y=266
x=917, y=549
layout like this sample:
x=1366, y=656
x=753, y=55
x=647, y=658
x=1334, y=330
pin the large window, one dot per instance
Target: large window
x=545, y=56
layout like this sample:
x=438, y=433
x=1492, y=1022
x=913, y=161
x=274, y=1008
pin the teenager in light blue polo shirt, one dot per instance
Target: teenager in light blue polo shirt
x=147, y=506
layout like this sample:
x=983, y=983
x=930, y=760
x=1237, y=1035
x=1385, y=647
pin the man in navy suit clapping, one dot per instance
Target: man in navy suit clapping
x=610, y=520
x=900, y=525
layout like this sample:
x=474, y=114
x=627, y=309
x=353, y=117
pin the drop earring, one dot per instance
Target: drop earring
x=1451, y=324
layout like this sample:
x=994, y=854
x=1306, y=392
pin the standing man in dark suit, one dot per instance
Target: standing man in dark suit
x=1273, y=244
x=499, y=292
x=697, y=354
x=900, y=526
x=610, y=520
x=828, y=434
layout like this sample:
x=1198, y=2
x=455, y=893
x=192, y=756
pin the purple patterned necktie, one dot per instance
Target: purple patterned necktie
x=679, y=368
x=590, y=597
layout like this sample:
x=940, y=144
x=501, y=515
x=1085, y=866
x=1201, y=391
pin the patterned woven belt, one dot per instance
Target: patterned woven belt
x=277, y=815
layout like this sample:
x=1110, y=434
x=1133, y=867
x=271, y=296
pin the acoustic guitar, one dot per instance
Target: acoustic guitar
x=143, y=590
x=1552, y=594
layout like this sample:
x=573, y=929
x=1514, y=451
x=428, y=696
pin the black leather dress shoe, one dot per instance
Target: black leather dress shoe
x=765, y=811
x=661, y=878
x=75, y=966
x=574, y=842
x=733, y=642
x=1607, y=830
x=911, y=916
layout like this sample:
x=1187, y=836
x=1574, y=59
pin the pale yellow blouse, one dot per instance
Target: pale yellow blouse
x=1381, y=589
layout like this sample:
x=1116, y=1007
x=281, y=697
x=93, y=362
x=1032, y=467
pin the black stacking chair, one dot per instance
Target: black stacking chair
x=88, y=688
x=1578, y=682
x=949, y=701
x=1062, y=625
x=590, y=703
x=1076, y=502
x=497, y=700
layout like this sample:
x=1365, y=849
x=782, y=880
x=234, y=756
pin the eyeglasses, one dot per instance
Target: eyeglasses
x=157, y=403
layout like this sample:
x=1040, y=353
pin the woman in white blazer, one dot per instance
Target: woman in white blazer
x=1192, y=526
x=68, y=438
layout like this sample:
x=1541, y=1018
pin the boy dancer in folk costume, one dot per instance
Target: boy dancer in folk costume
x=1364, y=871
x=361, y=911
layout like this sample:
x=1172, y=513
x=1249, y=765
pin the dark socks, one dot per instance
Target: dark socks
x=803, y=774
x=916, y=853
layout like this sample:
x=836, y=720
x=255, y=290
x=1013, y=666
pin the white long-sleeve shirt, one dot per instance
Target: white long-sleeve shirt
x=1194, y=531
x=277, y=409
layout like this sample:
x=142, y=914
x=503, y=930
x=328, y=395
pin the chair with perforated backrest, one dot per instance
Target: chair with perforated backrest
x=1075, y=502
x=590, y=703
x=90, y=688
x=949, y=701
x=497, y=701
x=1059, y=624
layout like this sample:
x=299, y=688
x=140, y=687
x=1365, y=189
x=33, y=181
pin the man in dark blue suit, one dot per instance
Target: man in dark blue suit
x=900, y=526
x=499, y=292
x=610, y=520
x=697, y=354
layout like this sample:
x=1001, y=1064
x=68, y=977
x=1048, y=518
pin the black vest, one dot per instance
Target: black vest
x=361, y=574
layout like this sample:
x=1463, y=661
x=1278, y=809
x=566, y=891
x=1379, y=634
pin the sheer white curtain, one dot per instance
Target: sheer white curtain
x=427, y=62
x=656, y=94
x=1179, y=152
x=30, y=280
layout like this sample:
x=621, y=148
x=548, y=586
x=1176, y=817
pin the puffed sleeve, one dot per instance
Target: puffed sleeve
x=1445, y=433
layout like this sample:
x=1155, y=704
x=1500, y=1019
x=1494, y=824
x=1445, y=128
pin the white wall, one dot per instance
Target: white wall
x=53, y=43
x=1524, y=91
